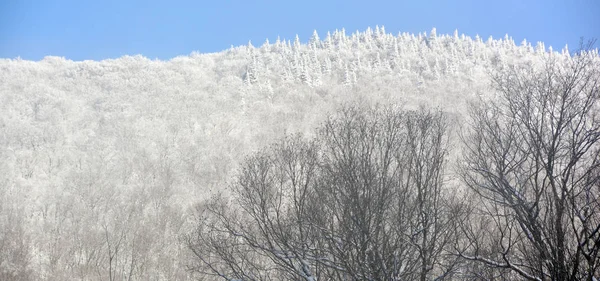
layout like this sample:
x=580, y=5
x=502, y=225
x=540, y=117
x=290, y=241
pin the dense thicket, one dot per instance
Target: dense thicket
x=101, y=161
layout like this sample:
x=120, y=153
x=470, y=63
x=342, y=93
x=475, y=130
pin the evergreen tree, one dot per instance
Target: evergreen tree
x=432, y=39
x=328, y=43
x=314, y=40
x=348, y=76
x=565, y=51
x=297, y=43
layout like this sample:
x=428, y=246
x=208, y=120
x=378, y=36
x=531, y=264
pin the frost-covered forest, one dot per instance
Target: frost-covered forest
x=102, y=163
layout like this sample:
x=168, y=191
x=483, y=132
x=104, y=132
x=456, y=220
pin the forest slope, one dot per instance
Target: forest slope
x=101, y=161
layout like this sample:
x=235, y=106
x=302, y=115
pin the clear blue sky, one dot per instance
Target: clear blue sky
x=87, y=29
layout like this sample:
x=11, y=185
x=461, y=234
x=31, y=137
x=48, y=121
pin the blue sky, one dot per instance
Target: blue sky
x=83, y=29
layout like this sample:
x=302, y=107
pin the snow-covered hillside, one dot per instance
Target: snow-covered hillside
x=102, y=161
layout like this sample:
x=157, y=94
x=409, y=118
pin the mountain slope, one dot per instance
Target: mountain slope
x=101, y=161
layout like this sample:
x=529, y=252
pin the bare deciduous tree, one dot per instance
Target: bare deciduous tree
x=364, y=200
x=266, y=234
x=533, y=157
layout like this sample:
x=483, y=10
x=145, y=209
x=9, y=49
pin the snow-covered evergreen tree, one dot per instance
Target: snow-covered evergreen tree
x=314, y=41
